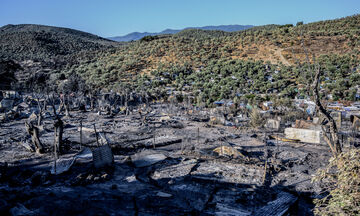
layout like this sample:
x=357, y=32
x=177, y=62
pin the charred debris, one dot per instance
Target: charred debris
x=112, y=154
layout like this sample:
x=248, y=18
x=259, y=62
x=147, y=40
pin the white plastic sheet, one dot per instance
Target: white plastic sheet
x=64, y=164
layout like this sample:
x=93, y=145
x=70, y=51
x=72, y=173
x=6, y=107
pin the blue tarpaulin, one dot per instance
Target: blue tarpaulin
x=219, y=102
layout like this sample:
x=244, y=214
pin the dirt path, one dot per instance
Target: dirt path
x=282, y=58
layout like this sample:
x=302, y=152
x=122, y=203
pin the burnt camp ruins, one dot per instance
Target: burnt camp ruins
x=114, y=154
x=215, y=120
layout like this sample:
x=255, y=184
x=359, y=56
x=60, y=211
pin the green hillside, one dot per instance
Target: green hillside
x=23, y=42
x=214, y=65
x=206, y=65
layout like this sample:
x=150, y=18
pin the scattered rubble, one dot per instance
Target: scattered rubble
x=63, y=164
x=160, y=162
x=147, y=158
x=277, y=207
x=227, y=151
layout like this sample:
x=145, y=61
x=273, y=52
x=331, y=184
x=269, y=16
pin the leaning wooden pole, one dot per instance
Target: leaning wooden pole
x=97, y=138
x=265, y=171
x=59, y=129
x=81, y=134
x=198, y=136
x=154, y=139
x=55, y=149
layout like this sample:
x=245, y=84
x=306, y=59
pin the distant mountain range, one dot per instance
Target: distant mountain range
x=139, y=35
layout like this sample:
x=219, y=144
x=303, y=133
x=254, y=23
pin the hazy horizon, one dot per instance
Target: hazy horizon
x=117, y=18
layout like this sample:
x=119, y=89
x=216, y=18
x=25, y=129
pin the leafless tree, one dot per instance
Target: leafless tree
x=33, y=131
x=330, y=137
x=58, y=127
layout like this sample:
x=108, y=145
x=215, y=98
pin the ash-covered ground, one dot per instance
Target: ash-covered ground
x=165, y=163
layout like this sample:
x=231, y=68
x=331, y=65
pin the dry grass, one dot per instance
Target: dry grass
x=342, y=179
x=256, y=120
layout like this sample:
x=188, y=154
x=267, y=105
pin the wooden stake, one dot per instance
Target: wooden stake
x=339, y=120
x=222, y=149
x=263, y=181
x=198, y=136
x=97, y=138
x=55, y=150
x=182, y=146
x=154, y=139
x=80, y=134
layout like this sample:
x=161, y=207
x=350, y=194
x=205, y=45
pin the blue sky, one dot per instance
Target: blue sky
x=119, y=17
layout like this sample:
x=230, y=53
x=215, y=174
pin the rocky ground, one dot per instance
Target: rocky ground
x=195, y=168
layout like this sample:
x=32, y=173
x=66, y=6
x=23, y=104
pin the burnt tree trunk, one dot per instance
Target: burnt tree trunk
x=41, y=110
x=332, y=138
x=58, y=129
x=33, y=131
x=66, y=105
x=58, y=133
x=61, y=107
x=126, y=105
x=91, y=102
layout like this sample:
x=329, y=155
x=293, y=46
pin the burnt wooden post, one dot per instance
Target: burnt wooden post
x=182, y=146
x=66, y=105
x=55, y=145
x=198, y=136
x=265, y=170
x=154, y=138
x=91, y=103
x=192, y=145
x=59, y=129
x=266, y=155
x=40, y=112
x=80, y=134
x=97, y=138
x=55, y=150
x=339, y=120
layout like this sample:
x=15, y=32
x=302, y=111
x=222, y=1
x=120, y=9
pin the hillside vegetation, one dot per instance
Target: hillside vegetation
x=139, y=35
x=38, y=42
x=206, y=65
x=215, y=65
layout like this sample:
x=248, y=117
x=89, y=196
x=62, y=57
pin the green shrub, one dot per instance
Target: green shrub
x=256, y=120
x=342, y=176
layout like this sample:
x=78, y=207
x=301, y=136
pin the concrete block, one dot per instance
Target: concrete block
x=272, y=124
x=306, y=125
x=316, y=120
x=304, y=135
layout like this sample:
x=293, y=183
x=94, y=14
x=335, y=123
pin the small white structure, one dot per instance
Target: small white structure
x=273, y=124
x=304, y=135
x=10, y=94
